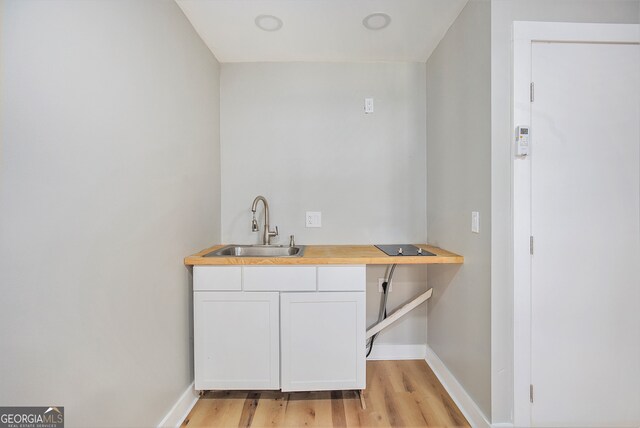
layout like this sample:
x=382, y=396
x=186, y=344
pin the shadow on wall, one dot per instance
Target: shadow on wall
x=441, y=277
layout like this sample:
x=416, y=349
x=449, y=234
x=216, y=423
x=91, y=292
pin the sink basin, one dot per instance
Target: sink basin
x=257, y=251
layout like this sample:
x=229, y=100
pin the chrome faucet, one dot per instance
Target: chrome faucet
x=266, y=233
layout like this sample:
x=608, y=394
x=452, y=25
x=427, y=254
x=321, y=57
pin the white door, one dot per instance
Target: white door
x=236, y=340
x=323, y=341
x=585, y=220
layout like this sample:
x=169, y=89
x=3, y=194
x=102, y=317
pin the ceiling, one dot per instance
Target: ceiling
x=321, y=30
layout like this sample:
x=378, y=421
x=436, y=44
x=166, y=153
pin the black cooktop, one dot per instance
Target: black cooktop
x=403, y=250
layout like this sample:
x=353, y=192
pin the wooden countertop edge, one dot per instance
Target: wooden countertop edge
x=350, y=254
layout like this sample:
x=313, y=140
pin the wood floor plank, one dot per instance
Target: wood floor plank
x=308, y=409
x=410, y=410
x=338, y=415
x=354, y=417
x=216, y=407
x=438, y=407
x=375, y=396
x=249, y=409
x=420, y=379
x=323, y=408
x=391, y=400
x=399, y=393
x=271, y=409
x=233, y=411
x=394, y=373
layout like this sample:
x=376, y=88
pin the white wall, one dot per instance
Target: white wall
x=503, y=13
x=297, y=134
x=458, y=182
x=108, y=177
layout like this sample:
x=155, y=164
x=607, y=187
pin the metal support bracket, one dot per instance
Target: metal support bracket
x=399, y=313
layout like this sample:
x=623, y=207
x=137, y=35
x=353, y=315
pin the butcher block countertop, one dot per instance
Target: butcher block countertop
x=331, y=255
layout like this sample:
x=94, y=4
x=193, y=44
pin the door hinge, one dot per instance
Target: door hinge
x=531, y=92
x=531, y=245
x=531, y=393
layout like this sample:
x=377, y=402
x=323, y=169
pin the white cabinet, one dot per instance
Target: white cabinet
x=279, y=278
x=236, y=340
x=299, y=328
x=342, y=278
x=323, y=338
x=220, y=278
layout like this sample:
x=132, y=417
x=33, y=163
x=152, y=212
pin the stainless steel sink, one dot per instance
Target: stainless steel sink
x=257, y=251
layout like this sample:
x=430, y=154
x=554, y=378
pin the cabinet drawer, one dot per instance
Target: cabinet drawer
x=342, y=278
x=279, y=278
x=217, y=278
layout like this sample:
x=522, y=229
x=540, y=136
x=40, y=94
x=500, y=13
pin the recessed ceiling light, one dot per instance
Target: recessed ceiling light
x=376, y=21
x=268, y=22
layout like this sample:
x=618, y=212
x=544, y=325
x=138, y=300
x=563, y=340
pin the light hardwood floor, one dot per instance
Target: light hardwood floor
x=399, y=393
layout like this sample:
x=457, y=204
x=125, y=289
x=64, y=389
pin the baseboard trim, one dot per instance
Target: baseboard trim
x=465, y=403
x=397, y=352
x=180, y=409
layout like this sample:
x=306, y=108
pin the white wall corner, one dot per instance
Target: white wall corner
x=397, y=352
x=180, y=409
x=463, y=400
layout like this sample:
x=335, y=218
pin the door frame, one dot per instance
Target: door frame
x=524, y=35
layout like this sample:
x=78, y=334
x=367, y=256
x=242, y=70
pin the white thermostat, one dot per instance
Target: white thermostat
x=522, y=141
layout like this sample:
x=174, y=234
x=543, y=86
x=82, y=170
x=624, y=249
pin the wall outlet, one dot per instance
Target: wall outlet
x=380, y=281
x=313, y=219
x=368, y=105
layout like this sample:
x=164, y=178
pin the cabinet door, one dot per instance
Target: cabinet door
x=236, y=340
x=323, y=345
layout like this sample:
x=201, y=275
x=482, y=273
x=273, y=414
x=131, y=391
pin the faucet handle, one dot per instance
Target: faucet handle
x=271, y=233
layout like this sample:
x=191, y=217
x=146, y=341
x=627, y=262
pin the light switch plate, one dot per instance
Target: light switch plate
x=475, y=222
x=313, y=219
